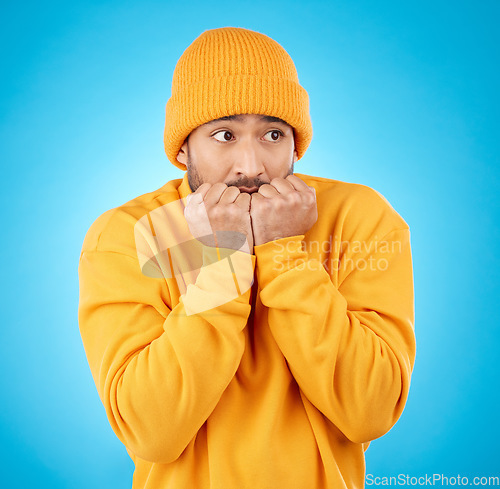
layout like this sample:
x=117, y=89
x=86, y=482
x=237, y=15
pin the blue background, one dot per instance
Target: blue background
x=404, y=98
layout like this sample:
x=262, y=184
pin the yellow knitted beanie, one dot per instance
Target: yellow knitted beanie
x=231, y=71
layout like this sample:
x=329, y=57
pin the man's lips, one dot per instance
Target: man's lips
x=248, y=190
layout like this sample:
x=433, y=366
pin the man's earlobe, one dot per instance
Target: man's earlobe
x=182, y=154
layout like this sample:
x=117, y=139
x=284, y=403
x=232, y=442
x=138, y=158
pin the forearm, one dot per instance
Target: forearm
x=159, y=375
x=353, y=365
x=168, y=390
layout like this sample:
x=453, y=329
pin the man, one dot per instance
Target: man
x=247, y=327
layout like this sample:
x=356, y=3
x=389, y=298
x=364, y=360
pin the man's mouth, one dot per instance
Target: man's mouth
x=248, y=190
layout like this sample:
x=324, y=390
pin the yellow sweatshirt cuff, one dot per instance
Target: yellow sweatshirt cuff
x=226, y=276
x=277, y=257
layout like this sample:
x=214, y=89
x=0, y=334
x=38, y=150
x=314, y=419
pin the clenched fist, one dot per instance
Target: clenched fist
x=219, y=215
x=283, y=208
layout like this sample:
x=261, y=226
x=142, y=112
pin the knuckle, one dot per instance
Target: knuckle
x=278, y=203
x=215, y=212
x=268, y=204
x=232, y=210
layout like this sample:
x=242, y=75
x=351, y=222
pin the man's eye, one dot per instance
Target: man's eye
x=223, y=136
x=273, y=135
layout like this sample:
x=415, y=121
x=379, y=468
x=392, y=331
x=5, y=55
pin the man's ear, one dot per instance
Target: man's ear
x=295, y=156
x=182, y=154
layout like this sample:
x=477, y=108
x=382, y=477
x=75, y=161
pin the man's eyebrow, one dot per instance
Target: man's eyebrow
x=238, y=118
x=269, y=118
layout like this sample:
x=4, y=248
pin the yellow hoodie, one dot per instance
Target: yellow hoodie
x=280, y=385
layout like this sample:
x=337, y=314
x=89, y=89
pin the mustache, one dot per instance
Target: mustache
x=253, y=182
x=246, y=182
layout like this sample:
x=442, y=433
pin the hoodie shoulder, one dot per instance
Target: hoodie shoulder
x=113, y=230
x=354, y=202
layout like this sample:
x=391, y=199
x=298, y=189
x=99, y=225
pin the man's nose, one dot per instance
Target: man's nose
x=248, y=160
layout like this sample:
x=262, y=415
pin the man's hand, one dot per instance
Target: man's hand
x=223, y=211
x=285, y=207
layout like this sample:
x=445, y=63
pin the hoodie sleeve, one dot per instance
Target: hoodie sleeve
x=350, y=347
x=160, y=369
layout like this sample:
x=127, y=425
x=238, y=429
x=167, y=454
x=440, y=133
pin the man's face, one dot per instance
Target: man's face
x=245, y=151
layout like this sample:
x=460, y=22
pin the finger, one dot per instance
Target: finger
x=254, y=198
x=198, y=196
x=243, y=201
x=267, y=191
x=282, y=186
x=298, y=184
x=229, y=195
x=214, y=194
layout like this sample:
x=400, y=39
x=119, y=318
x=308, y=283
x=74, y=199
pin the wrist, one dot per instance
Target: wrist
x=275, y=257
